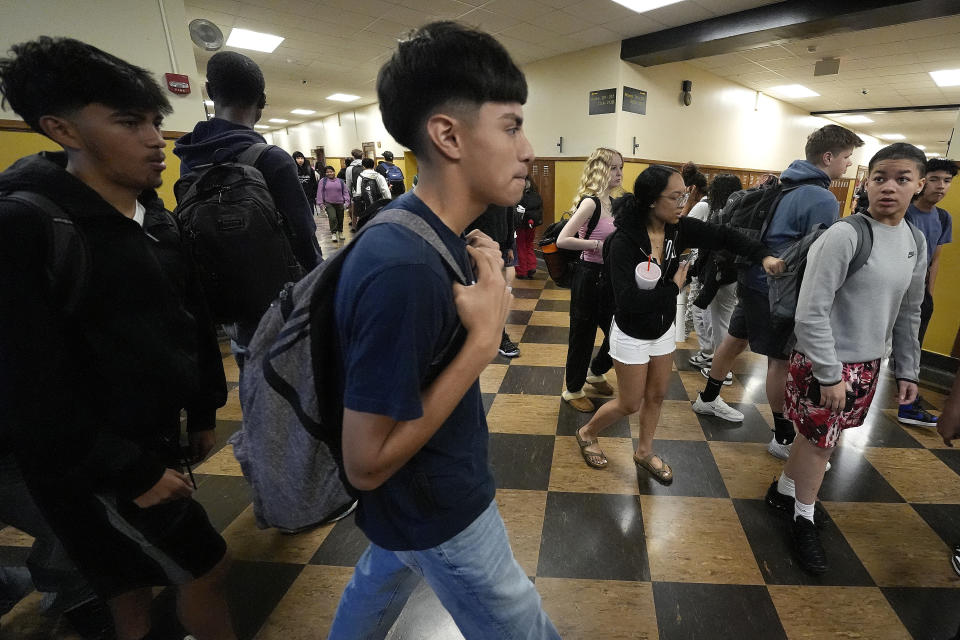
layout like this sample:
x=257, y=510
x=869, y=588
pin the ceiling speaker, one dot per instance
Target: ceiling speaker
x=205, y=34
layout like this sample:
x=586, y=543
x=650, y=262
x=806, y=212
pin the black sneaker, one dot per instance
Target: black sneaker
x=955, y=559
x=915, y=415
x=92, y=620
x=507, y=348
x=806, y=546
x=783, y=505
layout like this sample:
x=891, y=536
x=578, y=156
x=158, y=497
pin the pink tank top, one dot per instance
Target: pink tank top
x=600, y=232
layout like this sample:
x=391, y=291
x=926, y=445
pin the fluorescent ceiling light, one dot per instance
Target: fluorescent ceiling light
x=246, y=39
x=278, y=120
x=855, y=119
x=641, y=6
x=260, y=126
x=921, y=147
x=209, y=103
x=793, y=91
x=946, y=77
x=303, y=112
x=932, y=155
x=343, y=97
x=892, y=136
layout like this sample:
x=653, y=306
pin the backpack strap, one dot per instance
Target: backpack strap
x=67, y=261
x=864, y=241
x=918, y=235
x=251, y=155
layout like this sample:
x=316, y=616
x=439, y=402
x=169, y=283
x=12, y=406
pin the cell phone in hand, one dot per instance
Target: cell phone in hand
x=813, y=392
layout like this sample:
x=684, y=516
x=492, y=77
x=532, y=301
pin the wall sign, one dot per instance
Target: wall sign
x=603, y=101
x=178, y=83
x=635, y=100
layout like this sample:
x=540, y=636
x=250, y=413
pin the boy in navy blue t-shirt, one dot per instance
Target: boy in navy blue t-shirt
x=415, y=442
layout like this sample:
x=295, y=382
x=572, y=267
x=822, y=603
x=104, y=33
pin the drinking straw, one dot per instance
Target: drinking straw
x=648, y=262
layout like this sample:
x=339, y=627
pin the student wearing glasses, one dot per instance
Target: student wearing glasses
x=647, y=272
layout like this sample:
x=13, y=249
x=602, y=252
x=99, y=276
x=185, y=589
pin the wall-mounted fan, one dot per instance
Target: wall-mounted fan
x=205, y=34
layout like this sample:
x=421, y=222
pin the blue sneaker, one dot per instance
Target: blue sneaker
x=913, y=414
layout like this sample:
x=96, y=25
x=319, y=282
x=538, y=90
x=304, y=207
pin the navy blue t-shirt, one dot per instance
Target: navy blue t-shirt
x=936, y=225
x=394, y=314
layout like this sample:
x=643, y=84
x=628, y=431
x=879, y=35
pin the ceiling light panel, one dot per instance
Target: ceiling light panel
x=253, y=40
x=946, y=77
x=642, y=6
x=303, y=112
x=260, y=126
x=793, y=91
x=278, y=120
x=892, y=136
x=855, y=119
x=343, y=97
x=209, y=103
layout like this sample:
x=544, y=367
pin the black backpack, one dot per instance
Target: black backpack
x=751, y=214
x=236, y=236
x=560, y=261
x=369, y=194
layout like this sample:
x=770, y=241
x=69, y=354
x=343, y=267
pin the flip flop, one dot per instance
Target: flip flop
x=595, y=460
x=663, y=474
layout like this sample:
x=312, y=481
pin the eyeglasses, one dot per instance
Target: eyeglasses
x=680, y=200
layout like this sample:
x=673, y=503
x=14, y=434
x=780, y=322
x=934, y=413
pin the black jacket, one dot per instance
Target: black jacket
x=647, y=314
x=87, y=399
x=498, y=223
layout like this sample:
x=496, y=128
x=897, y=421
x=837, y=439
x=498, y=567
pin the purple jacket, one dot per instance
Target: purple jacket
x=333, y=192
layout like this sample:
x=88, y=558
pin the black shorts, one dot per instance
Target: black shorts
x=119, y=547
x=751, y=321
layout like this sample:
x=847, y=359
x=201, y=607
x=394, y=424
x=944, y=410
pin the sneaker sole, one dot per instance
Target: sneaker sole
x=710, y=412
x=916, y=423
x=776, y=452
x=508, y=354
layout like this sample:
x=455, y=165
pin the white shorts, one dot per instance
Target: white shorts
x=628, y=350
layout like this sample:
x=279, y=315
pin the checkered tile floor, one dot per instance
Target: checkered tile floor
x=614, y=554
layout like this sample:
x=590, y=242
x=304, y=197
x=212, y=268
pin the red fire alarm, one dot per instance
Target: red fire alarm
x=178, y=83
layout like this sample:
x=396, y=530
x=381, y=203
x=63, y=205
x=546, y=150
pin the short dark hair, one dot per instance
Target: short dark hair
x=357, y=154
x=329, y=168
x=443, y=64
x=633, y=210
x=367, y=163
x=900, y=151
x=234, y=80
x=59, y=76
x=298, y=154
x=832, y=138
x=942, y=164
x=721, y=188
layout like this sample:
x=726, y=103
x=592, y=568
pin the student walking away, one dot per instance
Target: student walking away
x=306, y=175
x=370, y=189
x=717, y=275
x=333, y=196
x=937, y=227
x=779, y=214
x=416, y=449
x=496, y=222
x=392, y=173
x=236, y=86
x=591, y=299
x=350, y=173
x=105, y=339
x=647, y=273
x=844, y=324
x=529, y=217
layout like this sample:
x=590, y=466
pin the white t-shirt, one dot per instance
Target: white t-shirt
x=139, y=214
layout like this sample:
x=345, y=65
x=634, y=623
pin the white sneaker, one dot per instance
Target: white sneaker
x=726, y=381
x=717, y=408
x=782, y=451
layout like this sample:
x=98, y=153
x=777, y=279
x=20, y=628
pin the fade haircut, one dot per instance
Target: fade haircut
x=942, y=164
x=367, y=163
x=60, y=76
x=443, y=65
x=832, y=138
x=234, y=80
x=900, y=151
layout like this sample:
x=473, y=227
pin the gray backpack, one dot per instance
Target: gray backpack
x=289, y=444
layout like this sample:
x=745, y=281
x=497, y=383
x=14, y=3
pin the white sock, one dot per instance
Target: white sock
x=800, y=509
x=594, y=378
x=786, y=487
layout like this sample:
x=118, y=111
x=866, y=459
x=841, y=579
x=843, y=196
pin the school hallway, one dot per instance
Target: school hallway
x=613, y=553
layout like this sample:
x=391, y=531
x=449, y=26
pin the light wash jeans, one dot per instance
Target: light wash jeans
x=474, y=574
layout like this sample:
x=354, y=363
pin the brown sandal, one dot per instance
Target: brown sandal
x=595, y=460
x=663, y=475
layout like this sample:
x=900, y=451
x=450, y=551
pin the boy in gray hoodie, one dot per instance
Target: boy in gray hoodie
x=844, y=327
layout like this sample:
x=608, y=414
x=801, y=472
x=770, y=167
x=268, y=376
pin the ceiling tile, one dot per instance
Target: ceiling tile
x=487, y=21
x=442, y=9
x=528, y=33
x=635, y=25
x=599, y=11
x=527, y=10
x=681, y=13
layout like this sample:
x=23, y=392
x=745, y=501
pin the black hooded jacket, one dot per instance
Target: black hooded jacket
x=87, y=399
x=646, y=314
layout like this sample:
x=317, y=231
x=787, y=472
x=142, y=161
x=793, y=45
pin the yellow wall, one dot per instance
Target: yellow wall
x=17, y=144
x=946, y=295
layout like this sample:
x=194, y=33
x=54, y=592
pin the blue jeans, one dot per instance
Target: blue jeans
x=474, y=574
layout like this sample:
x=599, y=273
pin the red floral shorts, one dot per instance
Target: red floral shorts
x=820, y=425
